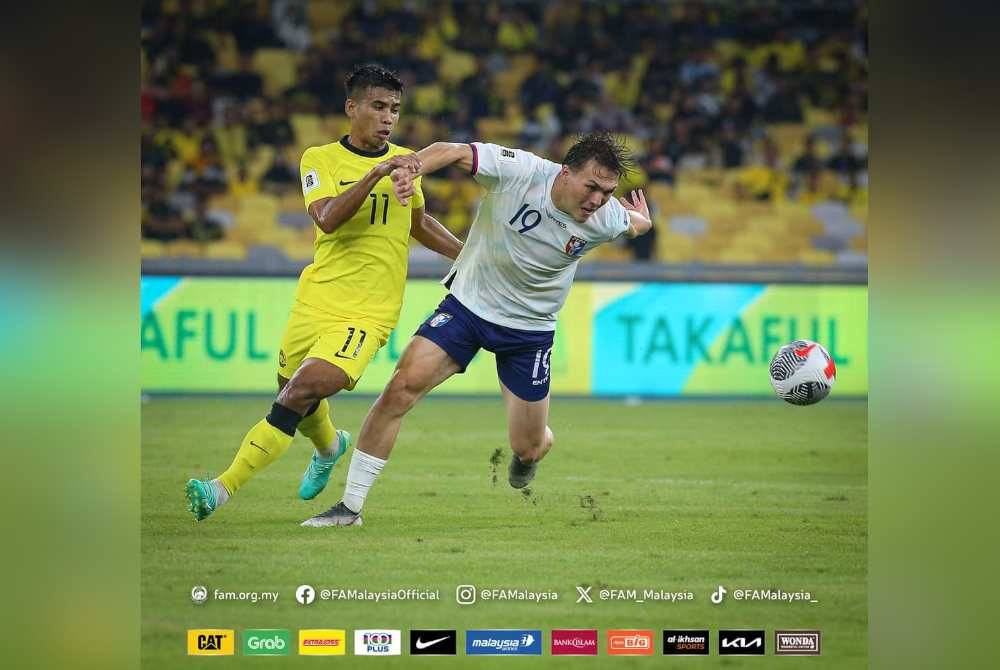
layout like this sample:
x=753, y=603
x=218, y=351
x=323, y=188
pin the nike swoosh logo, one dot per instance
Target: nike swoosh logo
x=345, y=183
x=338, y=355
x=424, y=645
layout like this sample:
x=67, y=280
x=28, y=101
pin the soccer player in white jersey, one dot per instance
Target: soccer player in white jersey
x=536, y=220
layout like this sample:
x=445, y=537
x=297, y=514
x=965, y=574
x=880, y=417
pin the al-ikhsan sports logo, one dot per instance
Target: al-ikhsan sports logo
x=267, y=642
x=211, y=642
x=503, y=643
x=322, y=642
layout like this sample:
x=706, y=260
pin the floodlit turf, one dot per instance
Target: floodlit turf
x=666, y=495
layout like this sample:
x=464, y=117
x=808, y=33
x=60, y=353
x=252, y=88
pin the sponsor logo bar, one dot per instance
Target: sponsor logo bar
x=211, y=642
x=377, y=642
x=322, y=642
x=267, y=642
x=741, y=643
x=685, y=642
x=630, y=642
x=433, y=642
x=797, y=642
x=574, y=642
x=503, y=642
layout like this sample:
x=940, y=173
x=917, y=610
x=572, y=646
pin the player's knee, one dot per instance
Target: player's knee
x=303, y=392
x=402, y=392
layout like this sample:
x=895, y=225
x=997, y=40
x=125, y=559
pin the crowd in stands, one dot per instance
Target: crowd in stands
x=764, y=103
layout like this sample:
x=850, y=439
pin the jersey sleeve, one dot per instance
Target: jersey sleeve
x=616, y=219
x=317, y=180
x=497, y=168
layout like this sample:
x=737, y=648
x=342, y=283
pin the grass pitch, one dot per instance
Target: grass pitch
x=668, y=495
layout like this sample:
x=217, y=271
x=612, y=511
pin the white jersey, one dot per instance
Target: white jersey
x=517, y=266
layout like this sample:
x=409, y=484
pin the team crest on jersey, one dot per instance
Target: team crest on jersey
x=575, y=246
x=440, y=320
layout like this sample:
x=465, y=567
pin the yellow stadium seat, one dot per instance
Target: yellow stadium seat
x=152, y=249
x=277, y=67
x=817, y=257
x=427, y=99
x=307, y=127
x=455, y=66
x=184, y=248
x=225, y=250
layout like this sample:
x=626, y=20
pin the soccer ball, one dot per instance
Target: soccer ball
x=802, y=372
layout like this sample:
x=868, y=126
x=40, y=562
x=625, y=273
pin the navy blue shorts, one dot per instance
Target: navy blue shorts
x=523, y=356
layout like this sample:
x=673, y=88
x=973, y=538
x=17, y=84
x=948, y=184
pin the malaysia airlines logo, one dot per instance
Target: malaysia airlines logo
x=575, y=246
x=503, y=643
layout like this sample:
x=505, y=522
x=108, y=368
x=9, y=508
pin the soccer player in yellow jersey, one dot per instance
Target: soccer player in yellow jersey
x=348, y=299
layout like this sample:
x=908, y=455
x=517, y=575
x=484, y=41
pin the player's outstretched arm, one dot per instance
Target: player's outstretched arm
x=330, y=213
x=427, y=230
x=432, y=159
x=639, y=220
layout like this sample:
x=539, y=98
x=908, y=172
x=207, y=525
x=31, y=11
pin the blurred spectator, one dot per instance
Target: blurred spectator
x=280, y=178
x=846, y=163
x=764, y=180
x=807, y=161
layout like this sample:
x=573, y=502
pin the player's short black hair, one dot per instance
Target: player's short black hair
x=607, y=149
x=371, y=75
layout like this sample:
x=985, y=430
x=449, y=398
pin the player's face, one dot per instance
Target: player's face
x=585, y=190
x=374, y=114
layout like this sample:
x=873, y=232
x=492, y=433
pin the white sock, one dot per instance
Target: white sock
x=221, y=494
x=360, y=477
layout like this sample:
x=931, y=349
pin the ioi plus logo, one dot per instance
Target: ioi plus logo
x=503, y=643
x=377, y=643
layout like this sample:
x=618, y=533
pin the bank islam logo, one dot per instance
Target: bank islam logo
x=211, y=642
x=503, y=643
x=741, y=643
x=376, y=643
x=433, y=642
x=573, y=642
x=267, y=642
x=685, y=642
x=796, y=642
x=630, y=642
x=322, y=642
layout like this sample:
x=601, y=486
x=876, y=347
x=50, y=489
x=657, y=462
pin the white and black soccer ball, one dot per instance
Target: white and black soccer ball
x=802, y=372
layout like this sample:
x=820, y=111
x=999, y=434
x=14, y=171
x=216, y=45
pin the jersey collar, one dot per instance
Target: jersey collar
x=361, y=152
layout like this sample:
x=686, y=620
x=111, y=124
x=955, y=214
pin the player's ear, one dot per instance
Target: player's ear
x=349, y=107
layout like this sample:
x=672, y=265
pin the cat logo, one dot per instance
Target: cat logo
x=211, y=642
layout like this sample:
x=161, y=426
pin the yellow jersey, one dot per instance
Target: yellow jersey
x=358, y=270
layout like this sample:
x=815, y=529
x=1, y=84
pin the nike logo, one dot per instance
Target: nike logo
x=339, y=355
x=424, y=645
x=254, y=444
x=345, y=183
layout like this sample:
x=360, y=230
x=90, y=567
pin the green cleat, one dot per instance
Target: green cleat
x=316, y=476
x=201, y=498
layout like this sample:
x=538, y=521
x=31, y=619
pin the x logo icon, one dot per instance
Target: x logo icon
x=584, y=594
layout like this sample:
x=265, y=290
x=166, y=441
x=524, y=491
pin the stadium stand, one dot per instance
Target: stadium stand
x=749, y=120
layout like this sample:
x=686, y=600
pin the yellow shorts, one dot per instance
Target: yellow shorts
x=350, y=344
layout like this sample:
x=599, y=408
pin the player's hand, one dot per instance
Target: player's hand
x=636, y=202
x=403, y=185
x=408, y=162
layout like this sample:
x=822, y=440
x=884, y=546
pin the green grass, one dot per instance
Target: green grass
x=672, y=495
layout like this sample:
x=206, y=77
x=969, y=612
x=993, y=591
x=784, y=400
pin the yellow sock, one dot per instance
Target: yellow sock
x=262, y=445
x=318, y=427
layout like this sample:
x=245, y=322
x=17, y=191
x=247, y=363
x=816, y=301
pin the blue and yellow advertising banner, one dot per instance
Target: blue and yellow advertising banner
x=202, y=334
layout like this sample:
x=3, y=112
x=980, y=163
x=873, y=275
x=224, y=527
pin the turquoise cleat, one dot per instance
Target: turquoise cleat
x=201, y=498
x=316, y=476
